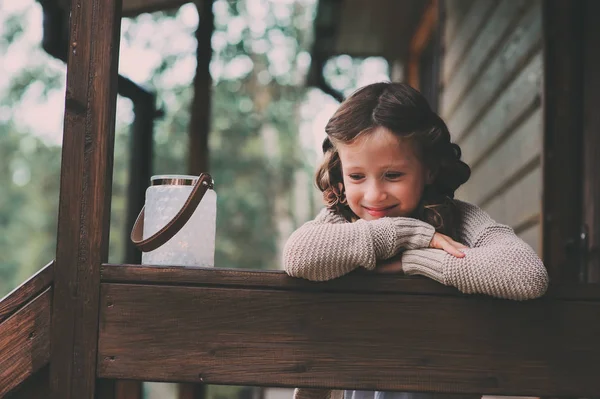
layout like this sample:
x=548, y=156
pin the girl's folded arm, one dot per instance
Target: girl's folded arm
x=329, y=247
x=499, y=264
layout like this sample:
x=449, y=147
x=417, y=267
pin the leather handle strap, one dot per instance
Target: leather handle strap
x=163, y=235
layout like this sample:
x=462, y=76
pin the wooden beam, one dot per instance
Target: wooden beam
x=355, y=282
x=140, y=166
x=127, y=389
x=421, y=37
x=85, y=194
x=192, y=391
x=31, y=288
x=132, y=8
x=36, y=386
x=201, y=104
x=383, y=341
x=591, y=139
x=563, y=132
x=198, y=154
x=25, y=342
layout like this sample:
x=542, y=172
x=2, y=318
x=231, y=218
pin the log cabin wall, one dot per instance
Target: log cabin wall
x=490, y=97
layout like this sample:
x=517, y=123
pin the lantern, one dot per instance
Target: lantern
x=178, y=223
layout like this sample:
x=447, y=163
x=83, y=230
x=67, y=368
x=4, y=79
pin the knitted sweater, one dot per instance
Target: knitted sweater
x=496, y=262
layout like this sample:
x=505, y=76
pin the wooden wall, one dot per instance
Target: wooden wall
x=491, y=85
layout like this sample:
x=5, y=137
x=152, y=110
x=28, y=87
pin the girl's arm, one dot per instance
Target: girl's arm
x=329, y=246
x=498, y=263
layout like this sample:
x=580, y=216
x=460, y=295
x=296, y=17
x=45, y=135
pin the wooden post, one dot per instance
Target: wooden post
x=563, y=132
x=140, y=164
x=200, y=126
x=85, y=195
x=591, y=177
x=201, y=104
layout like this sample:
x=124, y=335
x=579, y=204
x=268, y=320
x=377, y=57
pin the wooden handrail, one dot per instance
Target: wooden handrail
x=357, y=282
x=25, y=341
x=21, y=295
x=362, y=331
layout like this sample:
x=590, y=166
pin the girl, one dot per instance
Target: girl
x=388, y=179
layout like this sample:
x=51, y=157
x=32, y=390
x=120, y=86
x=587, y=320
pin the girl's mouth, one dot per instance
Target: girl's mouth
x=380, y=211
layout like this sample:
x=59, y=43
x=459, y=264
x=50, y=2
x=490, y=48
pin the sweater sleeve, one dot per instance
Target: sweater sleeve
x=329, y=246
x=498, y=263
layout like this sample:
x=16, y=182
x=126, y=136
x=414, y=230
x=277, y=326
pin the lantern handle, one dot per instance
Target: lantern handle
x=163, y=235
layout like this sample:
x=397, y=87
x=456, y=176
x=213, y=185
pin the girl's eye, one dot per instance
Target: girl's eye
x=393, y=175
x=355, y=176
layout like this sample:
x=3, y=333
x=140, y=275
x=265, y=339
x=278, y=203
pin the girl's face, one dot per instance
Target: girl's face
x=383, y=175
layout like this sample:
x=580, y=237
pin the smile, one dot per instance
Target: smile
x=379, y=211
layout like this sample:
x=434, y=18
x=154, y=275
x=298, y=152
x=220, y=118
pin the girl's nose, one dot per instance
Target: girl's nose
x=375, y=194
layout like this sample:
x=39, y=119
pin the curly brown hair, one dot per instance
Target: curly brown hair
x=405, y=112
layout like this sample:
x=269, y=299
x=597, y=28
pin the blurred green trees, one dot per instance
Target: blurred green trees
x=263, y=142
x=258, y=72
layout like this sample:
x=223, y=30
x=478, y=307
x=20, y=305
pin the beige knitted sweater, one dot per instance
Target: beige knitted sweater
x=497, y=262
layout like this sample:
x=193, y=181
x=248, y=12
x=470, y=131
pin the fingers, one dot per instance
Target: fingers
x=458, y=244
x=447, y=244
x=452, y=250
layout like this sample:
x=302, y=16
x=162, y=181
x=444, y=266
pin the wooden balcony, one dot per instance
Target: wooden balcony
x=362, y=331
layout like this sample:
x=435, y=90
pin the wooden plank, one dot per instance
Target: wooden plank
x=390, y=342
x=563, y=121
x=132, y=8
x=591, y=140
x=356, y=282
x=125, y=389
x=25, y=342
x=85, y=193
x=520, y=98
x=141, y=143
x=199, y=128
x=36, y=386
x=516, y=53
x=455, y=11
x=473, y=22
x=505, y=19
x=520, y=202
x=511, y=157
x=425, y=32
x=31, y=288
x=192, y=391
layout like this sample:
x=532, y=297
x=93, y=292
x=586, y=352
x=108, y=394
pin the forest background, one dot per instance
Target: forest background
x=266, y=126
x=265, y=137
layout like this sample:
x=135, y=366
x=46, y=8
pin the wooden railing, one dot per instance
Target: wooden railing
x=25, y=317
x=363, y=331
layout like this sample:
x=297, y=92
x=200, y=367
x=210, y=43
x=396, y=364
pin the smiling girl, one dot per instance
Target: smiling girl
x=388, y=178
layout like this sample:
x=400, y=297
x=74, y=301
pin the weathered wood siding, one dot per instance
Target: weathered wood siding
x=491, y=100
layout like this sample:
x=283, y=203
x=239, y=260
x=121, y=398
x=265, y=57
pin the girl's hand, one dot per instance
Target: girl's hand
x=389, y=266
x=441, y=241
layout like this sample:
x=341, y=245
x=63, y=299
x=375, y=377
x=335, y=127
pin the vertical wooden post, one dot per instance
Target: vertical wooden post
x=591, y=139
x=198, y=161
x=85, y=195
x=201, y=104
x=424, y=33
x=563, y=132
x=140, y=171
x=140, y=166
